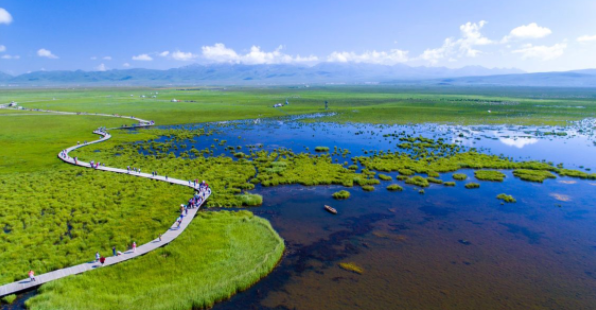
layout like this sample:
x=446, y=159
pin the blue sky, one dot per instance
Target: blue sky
x=101, y=35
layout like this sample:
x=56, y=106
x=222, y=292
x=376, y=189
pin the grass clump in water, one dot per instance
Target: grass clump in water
x=395, y=187
x=341, y=195
x=219, y=254
x=489, y=175
x=385, y=177
x=251, y=199
x=450, y=183
x=434, y=180
x=351, y=267
x=506, y=198
x=368, y=188
x=472, y=185
x=321, y=149
x=418, y=181
x=533, y=175
x=459, y=176
x=9, y=299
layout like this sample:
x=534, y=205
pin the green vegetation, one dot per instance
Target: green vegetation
x=57, y=219
x=459, y=176
x=351, y=267
x=421, y=192
x=321, y=149
x=472, y=185
x=489, y=175
x=55, y=216
x=341, y=195
x=395, y=187
x=418, y=181
x=533, y=175
x=9, y=299
x=251, y=199
x=385, y=177
x=219, y=254
x=506, y=198
x=434, y=180
x=450, y=183
x=368, y=188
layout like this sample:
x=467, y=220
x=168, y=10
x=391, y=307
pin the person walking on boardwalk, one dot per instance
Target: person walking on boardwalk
x=134, y=247
x=114, y=250
x=31, y=275
x=102, y=260
x=97, y=256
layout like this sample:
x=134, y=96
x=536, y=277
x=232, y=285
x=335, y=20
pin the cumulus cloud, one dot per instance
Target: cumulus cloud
x=541, y=52
x=2, y=48
x=126, y=65
x=142, y=57
x=462, y=47
x=46, y=53
x=101, y=67
x=164, y=53
x=182, y=56
x=5, y=17
x=391, y=57
x=529, y=31
x=220, y=53
x=584, y=39
x=10, y=56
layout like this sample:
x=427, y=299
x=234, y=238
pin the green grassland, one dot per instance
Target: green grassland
x=219, y=254
x=55, y=219
x=59, y=215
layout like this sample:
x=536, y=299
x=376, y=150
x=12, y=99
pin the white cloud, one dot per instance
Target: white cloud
x=101, y=67
x=541, y=52
x=2, y=48
x=164, y=53
x=462, y=47
x=107, y=58
x=126, y=65
x=584, y=39
x=46, y=53
x=220, y=53
x=142, y=57
x=11, y=56
x=182, y=56
x=529, y=31
x=5, y=17
x=392, y=57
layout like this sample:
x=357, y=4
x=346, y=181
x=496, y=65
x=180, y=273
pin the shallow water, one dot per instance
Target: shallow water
x=450, y=248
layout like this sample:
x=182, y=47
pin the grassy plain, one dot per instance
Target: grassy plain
x=219, y=254
x=48, y=198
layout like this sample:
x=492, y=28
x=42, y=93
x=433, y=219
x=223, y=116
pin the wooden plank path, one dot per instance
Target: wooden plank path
x=166, y=237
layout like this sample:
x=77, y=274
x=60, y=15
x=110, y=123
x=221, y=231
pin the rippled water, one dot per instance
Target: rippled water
x=451, y=248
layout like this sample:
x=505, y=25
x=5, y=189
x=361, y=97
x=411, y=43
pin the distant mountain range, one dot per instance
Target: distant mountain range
x=323, y=73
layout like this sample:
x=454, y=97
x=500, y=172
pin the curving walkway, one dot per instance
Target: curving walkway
x=166, y=237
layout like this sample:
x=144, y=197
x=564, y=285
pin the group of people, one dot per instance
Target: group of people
x=133, y=169
x=95, y=165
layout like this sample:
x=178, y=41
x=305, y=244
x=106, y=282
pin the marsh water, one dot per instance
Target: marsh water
x=449, y=248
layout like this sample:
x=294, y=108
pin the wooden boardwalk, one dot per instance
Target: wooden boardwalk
x=166, y=237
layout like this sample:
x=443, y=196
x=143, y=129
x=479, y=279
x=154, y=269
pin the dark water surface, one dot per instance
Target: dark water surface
x=450, y=248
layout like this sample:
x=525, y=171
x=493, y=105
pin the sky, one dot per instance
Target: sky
x=94, y=35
